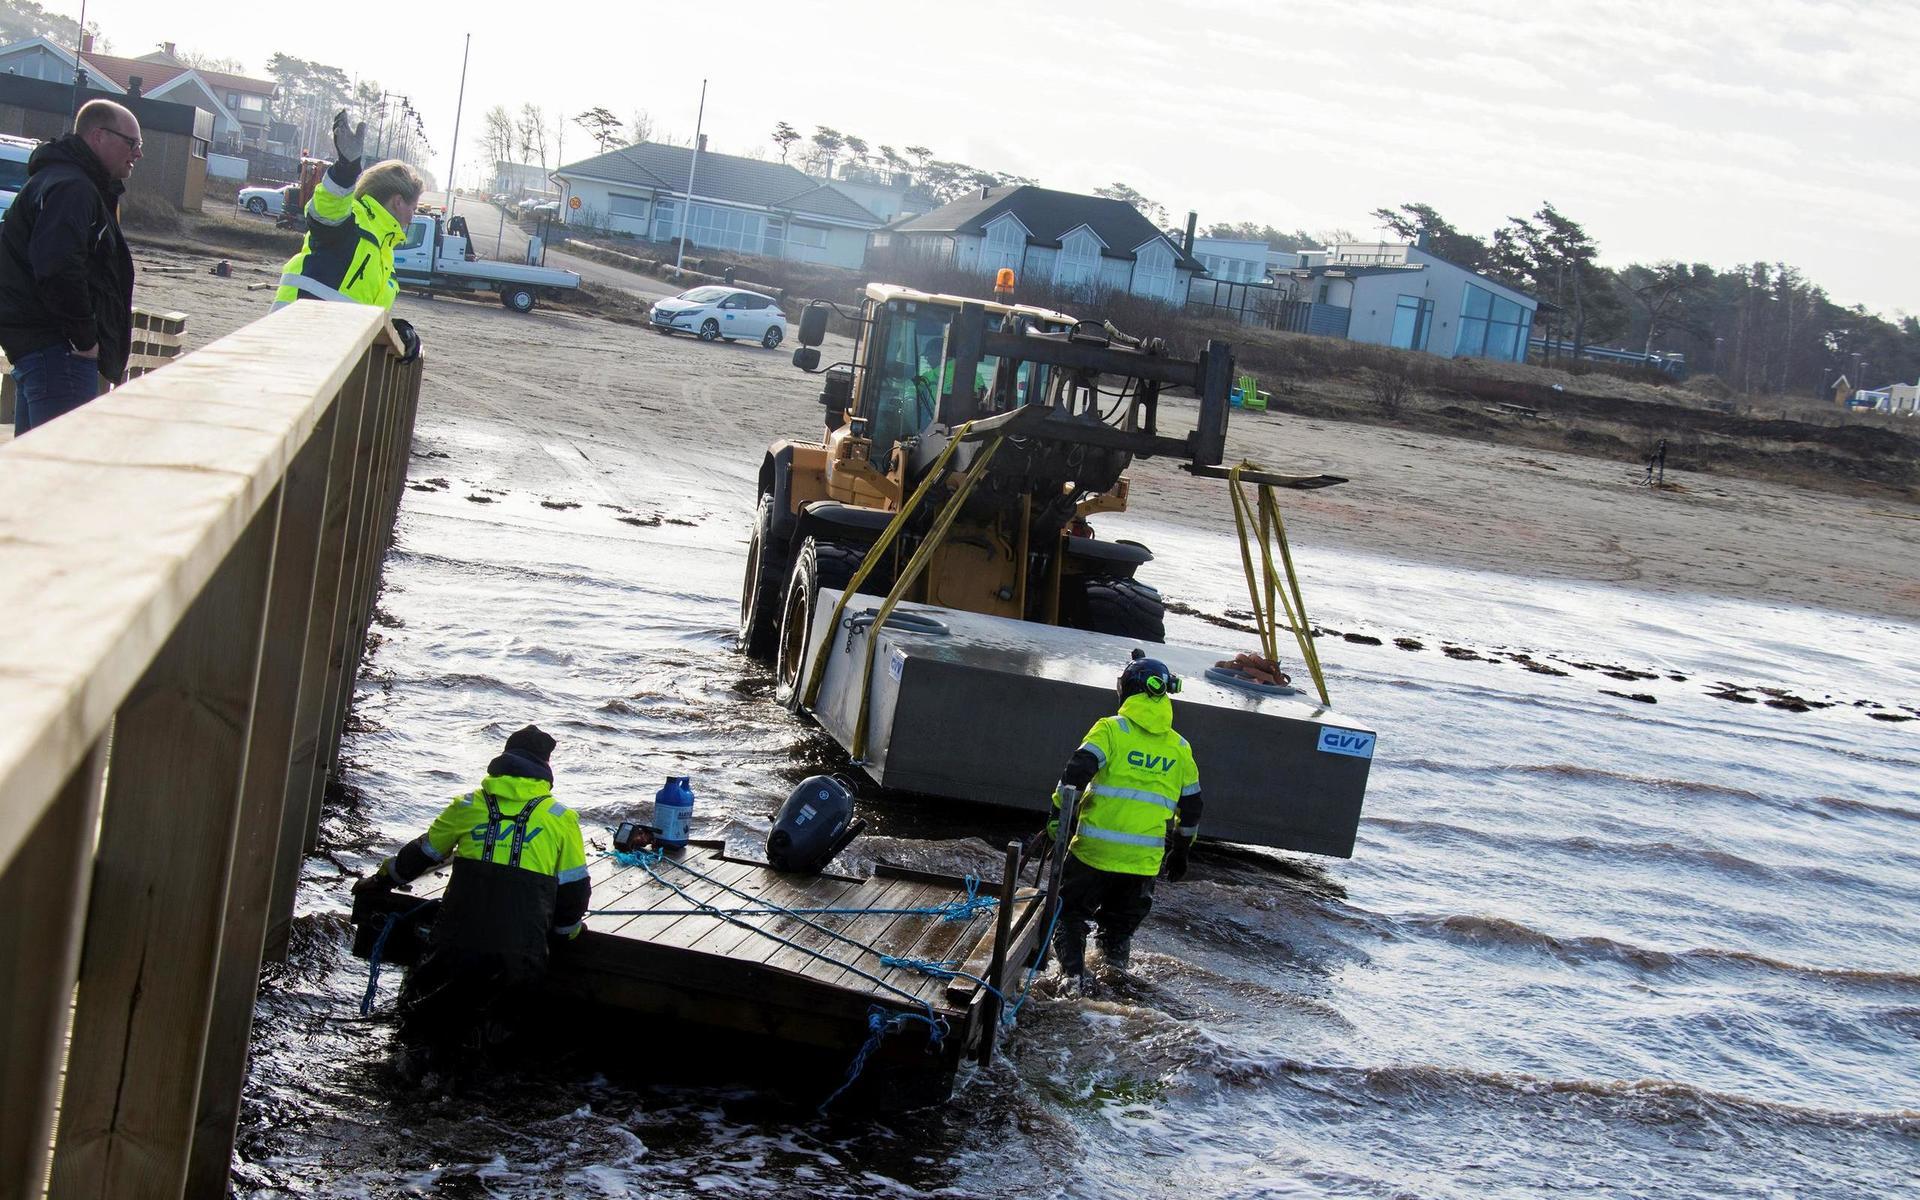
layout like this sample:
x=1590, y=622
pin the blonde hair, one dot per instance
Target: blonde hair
x=384, y=181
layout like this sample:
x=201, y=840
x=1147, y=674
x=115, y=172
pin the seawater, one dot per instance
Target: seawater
x=1587, y=943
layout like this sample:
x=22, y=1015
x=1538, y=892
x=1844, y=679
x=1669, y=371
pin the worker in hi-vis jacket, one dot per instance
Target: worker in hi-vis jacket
x=1139, y=812
x=354, y=221
x=519, y=884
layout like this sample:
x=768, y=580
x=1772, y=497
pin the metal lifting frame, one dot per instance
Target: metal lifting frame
x=1272, y=531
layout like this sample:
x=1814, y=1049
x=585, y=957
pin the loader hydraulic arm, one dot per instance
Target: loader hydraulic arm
x=1089, y=353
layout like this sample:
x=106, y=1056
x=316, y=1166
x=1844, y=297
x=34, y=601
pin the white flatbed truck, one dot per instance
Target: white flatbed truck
x=438, y=256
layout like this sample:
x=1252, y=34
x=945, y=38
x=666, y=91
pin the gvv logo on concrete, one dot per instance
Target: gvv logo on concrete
x=1149, y=762
x=1345, y=741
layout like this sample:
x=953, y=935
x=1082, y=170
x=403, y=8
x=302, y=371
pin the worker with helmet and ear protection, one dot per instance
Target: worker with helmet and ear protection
x=1139, y=813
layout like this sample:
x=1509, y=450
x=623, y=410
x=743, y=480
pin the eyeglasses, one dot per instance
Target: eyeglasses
x=136, y=143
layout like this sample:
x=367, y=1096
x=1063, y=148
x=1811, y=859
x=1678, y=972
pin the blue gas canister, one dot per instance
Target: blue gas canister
x=673, y=811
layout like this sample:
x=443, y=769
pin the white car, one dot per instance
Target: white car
x=719, y=313
x=14, y=152
x=260, y=201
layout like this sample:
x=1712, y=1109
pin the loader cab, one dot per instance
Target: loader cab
x=904, y=366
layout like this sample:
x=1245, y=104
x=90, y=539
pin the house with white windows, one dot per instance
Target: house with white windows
x=739, y=204
x=239, y=104
x=1239, y=260
x=1395, y=294
x=1062, y=238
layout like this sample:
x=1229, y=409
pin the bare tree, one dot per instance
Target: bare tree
x=497, y=135
x=533, y=133
x=200, y=60
x=640, y=128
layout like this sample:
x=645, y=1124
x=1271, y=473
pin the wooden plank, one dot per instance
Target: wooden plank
x=789, y=892
x=302, y=766
x=44, y=894
x=678, y=930
x=342, y=648
x=159, y=894
x=883, y=932
x=159, y=480
x=258, y=836
x=818, y=892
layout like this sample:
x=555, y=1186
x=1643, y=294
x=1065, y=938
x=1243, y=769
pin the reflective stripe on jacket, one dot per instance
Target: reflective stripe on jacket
x=551, y=846
x=1145, y=769
x=348, y=255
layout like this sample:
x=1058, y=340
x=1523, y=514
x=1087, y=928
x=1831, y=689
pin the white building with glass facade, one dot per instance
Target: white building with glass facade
x=1400, y=295
x=738, y=204
x=1064, y=238
x=1235, y=260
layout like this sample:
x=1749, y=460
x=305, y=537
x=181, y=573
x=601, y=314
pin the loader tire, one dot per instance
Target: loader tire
x=1122, y=607
x=761, y=590
x=816, y=565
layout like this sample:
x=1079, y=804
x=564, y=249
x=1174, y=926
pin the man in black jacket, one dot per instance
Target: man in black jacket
x=66, y=277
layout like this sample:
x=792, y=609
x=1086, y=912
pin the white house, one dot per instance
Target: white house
x=739, y=204
x=887, y=199
x=514, y=178
x=1064, y=238
x=1234, y=260
x=1894, y=398
x=1394, y=294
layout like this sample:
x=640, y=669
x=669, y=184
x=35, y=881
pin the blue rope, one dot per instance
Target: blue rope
x=880, y=1023
x=379, y=948
x=646, y=860
x=1009, y=1012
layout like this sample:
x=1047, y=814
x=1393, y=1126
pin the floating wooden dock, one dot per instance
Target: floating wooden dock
x=724, y=946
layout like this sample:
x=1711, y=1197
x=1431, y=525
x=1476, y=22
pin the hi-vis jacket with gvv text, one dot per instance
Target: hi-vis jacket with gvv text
x=1141, y=786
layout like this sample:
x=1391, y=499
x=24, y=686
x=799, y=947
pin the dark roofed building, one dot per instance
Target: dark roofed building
x=740, y=204
x=1065, y=238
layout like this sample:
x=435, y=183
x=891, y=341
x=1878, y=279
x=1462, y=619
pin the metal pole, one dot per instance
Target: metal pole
x=453, y=155
x=79, y=72
x=692, y=166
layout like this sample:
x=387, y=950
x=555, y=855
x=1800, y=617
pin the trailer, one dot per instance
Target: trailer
x=438, y=256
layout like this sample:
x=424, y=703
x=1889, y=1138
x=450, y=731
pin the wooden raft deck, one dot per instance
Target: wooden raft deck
x=782, y=977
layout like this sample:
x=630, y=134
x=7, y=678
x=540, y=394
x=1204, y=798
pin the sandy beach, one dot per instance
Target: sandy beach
x=624, y=394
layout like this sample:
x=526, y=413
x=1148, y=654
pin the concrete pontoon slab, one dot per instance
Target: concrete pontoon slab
x=988, y=709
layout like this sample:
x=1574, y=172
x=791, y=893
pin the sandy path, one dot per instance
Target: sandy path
x=606, y=413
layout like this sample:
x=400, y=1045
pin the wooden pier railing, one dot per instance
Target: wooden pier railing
x=187, y=569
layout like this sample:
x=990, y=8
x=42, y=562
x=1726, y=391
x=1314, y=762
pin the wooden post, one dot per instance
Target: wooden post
x=303, y=764
x=342, y=647
x=159, y=891
x=263, y=802
x=43, y=893
x=998, y=968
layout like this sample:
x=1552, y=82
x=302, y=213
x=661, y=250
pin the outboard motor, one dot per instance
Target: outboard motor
x=814, y=824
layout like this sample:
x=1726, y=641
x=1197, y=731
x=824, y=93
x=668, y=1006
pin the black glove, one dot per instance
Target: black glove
x=408, y=339
x=375, y=884
x=1177, y=859
x=349, y=140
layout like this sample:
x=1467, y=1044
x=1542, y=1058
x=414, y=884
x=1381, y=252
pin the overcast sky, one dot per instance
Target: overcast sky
x=1719, y=131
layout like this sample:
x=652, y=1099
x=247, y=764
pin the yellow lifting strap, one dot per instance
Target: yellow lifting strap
x=1264, y=519
x=915, y=565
